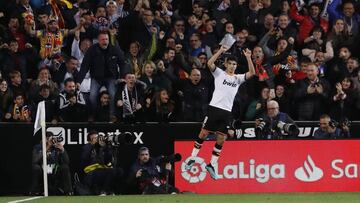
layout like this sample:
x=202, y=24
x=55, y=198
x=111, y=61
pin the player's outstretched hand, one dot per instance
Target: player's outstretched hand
x=247, y=53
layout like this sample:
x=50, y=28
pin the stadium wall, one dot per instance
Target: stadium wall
x=17, y=144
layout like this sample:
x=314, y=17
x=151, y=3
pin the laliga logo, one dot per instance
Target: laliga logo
x=197, y=173
x=309, y=172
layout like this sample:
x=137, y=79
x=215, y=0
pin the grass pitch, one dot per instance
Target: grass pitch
x=196, y=198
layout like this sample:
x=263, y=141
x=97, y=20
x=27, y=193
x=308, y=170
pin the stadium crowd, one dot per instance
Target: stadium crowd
x=145, y=60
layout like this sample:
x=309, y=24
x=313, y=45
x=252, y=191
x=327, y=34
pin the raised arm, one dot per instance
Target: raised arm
x=211, y=61
x=294, y=14
x=251, y=71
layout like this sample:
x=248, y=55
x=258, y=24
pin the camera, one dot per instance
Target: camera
x=145, y=173
x=56, y=139
x=171, y=158
x=289, y=128
x=259, y=128
x=342, y=123
x=117, y=139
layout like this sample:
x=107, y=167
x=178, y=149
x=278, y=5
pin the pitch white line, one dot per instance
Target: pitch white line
x=27, y=199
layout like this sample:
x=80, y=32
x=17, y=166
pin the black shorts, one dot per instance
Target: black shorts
x=217, y=120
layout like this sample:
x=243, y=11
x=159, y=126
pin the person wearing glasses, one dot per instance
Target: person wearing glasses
x=275, y=124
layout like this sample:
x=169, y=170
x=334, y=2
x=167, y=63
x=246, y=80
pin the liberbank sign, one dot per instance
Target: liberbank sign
x=272, y=166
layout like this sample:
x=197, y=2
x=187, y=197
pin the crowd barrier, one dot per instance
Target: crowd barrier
x=18, y=140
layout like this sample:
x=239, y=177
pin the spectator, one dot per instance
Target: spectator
x=347, y=13
x=19, y=111
x=317, y=49
x=311, y=95
x=88, y=31
x=129, y=99
x=315, y=41
x=15, y=32
x=269, y=23
x=75, y=110
x=59, y=178
x=196, y=46
x=144, y=27
x=282, y=99
x=149, y=76
x=247, y=15
x=160, y=108
x=352, y=66
x=106, y=64
x=308, y=22
x=65, y=71
x=338, y=67
x=12, y=59
x=17, y=85
x=205, y=72
x=195, y=97
x=283, y=29
x=198, y=9
x=42, y=18
x=222, y=14
x=112, y=11
x=134, y=59
x=178, y=32
x=194, y=24
x=257, y=108
x=44, y=95
x=356, y=80
x=51, y=39
x=101, y=22
x=240, y=45
x=44, y=78
x=208, y=34
x=79, y=52
x=63, y=101
x=163, y=77
x=345, y=100
x=5, y=98
x=103, y=110
x=339, y=35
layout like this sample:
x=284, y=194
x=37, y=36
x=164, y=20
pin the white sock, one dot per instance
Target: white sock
x=214, y=160
x=195, y=152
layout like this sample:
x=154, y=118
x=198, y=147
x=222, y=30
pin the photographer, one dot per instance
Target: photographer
x=58, y=171
x=148, y=175
x=275, y=124
x=330, y=129
x=97, y=159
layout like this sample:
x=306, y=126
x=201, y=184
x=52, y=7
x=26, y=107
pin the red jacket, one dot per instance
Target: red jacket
x=306, y=23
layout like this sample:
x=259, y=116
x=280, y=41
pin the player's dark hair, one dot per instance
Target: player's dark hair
x=231, y=58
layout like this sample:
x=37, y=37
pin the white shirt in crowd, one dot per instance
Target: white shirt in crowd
x=77, y=53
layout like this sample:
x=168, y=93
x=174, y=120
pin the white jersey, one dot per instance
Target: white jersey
x=226, y=87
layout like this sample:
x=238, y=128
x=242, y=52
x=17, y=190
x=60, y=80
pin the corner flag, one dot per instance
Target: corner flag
x=40, y=117
x=40, y=124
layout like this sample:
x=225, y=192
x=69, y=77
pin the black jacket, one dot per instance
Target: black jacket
x=108, y=63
